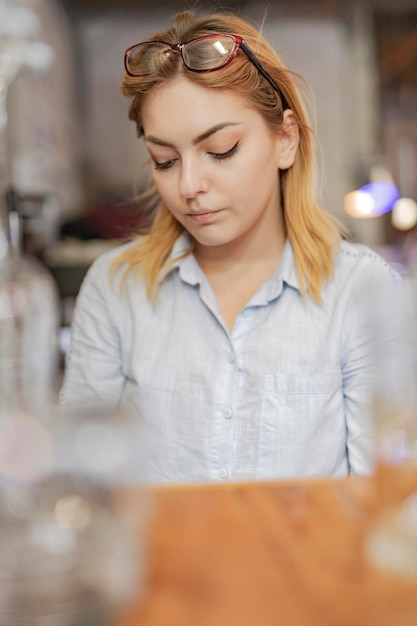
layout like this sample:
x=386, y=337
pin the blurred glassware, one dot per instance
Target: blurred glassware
x=71, y=517
x=29, y=323
x=392, y=541
x=103, y=444
x=64, y=559
x=73, y=520
x=20, y=47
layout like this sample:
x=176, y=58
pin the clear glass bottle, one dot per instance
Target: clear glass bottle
x=28, y=360
x=28, y=331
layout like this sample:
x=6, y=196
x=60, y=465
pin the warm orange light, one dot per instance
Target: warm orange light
x=359, y=204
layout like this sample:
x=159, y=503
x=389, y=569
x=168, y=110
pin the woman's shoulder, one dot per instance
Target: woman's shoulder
x=363, y=262
x=107, y=270
x=108, y=259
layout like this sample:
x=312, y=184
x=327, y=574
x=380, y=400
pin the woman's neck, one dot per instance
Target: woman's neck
x=256, y=248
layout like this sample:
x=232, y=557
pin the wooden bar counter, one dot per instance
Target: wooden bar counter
x=260, y=554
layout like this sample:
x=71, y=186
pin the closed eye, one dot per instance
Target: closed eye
x=219, y=156
x=165, y=165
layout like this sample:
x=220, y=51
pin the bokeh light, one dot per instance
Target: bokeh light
x=383, y=194
x=371, y=200
x=404, y=214
x=359, y=204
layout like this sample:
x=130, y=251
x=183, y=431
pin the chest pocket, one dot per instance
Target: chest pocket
x=302, y=428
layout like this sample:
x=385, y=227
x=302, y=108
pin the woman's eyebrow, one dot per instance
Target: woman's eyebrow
x=214, y=129
x=208, y=133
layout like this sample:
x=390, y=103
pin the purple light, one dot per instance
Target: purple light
x=384, y=195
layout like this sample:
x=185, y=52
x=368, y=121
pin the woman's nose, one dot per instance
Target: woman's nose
x=193, y=180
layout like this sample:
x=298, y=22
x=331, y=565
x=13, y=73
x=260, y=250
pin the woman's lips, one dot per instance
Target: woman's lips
x=203, y=217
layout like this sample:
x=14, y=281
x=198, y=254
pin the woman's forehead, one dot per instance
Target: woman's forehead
x=182, y=94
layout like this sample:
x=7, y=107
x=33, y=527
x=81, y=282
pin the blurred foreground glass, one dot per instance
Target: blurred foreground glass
x=28, y=333
x=392, y=541
x=72, y=520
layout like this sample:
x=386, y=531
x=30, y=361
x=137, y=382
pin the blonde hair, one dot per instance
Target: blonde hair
x=314, y=233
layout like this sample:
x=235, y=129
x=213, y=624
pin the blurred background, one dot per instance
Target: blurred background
x=70, y=161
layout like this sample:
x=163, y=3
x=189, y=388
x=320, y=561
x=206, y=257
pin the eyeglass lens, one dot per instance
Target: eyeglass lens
x=209, y=53
x=144, y=58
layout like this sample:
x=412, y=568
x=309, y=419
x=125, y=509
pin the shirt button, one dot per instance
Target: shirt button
x=227, y=413
x=223, y=473
x=246, y=313
x=231, y=358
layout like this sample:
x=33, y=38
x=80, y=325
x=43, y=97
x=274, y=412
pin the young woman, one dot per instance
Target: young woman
x=235, y=328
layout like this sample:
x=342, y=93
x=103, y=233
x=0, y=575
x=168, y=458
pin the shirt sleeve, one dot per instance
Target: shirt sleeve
x=93, y=372
x=358, y=364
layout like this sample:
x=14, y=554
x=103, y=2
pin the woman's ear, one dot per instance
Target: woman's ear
x=288, y=140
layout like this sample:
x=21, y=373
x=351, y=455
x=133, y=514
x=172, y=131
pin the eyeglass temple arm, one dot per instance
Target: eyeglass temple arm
x=263, y=71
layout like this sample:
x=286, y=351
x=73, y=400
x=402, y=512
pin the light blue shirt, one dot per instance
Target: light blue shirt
x=285, y=394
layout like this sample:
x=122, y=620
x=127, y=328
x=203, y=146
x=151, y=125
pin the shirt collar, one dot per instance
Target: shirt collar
x=190, y=270
x=286, y=270
x=180, y=247
x=188, y=266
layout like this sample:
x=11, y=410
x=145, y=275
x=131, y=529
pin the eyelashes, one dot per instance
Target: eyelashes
x=218, y=156
x=165, y=165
